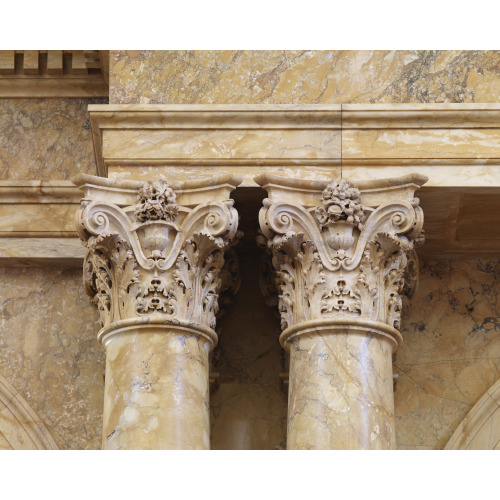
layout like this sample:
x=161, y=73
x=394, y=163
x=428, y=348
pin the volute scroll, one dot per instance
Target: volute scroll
x=155, y=259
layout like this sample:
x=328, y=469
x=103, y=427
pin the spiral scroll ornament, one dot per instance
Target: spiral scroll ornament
x=342, y=259
x=156, y=259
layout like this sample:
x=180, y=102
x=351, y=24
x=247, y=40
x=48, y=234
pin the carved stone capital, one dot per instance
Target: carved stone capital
x=342, y=257
x=152, y=258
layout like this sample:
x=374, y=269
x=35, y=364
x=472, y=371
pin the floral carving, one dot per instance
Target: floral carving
x=156, y=201
x=155, y=258
x=333, y=261
x=340, y=201
x=197, y=279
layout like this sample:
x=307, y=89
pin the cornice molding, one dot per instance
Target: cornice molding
x=54, y=73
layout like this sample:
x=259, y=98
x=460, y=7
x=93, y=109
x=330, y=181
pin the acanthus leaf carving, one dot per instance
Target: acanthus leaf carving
x=156, y=258
x=348, y=260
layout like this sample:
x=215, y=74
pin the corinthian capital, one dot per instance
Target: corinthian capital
x=341, y=252
x=155, y=250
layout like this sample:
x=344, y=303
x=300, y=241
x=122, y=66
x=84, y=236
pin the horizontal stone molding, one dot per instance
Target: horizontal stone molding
x=41, y=251
x=309, y=140
x=342, y=326
x=415, y=116
x=36, y=210
x=150, y=325
x=189, y=192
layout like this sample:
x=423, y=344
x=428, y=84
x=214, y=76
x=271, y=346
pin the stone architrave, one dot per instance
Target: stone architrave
x=153, y=265
x=343, y=258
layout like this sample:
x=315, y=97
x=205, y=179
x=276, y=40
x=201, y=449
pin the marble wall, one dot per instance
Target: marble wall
x=303, y=77
x=249, y=406
x=45, y=139
x=451, y=350
x=50, y=354
x=48, y=348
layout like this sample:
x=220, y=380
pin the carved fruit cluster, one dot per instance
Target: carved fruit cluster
x=340, y=201
x=156, y=201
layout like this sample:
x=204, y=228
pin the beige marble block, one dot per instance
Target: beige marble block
x=435, y=143
x=49, y=351
x=44, y=139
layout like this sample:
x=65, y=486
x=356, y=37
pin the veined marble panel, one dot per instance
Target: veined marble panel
x=45, y=139
x=303, y=76
x=451, y=349
x=49, y=351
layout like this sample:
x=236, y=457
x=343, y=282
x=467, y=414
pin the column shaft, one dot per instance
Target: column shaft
x=340, y=392
x=156, y=391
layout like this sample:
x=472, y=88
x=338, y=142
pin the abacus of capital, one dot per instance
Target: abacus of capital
x=343, y=258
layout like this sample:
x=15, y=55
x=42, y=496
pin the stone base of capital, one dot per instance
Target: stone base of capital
x=160, y=326
x=341, y=326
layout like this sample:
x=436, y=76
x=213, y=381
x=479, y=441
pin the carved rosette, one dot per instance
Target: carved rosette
x=156, y=260
x=341, y=261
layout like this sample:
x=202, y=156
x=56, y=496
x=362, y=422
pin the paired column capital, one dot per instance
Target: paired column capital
x=155, y=250
x=343, y=255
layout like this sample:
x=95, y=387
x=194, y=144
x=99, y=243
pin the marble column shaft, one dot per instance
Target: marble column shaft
x=342, y=262
x=157, y=390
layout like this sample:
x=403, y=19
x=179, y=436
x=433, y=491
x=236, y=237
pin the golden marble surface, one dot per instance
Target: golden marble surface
x=451, y=350
x=249, y=407
x=49, y=351
x=340, y=394
x=308, y=77
x=45, y=139
x=157, y=393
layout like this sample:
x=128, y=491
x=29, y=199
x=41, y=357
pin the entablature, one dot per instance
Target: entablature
x=457, y=146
